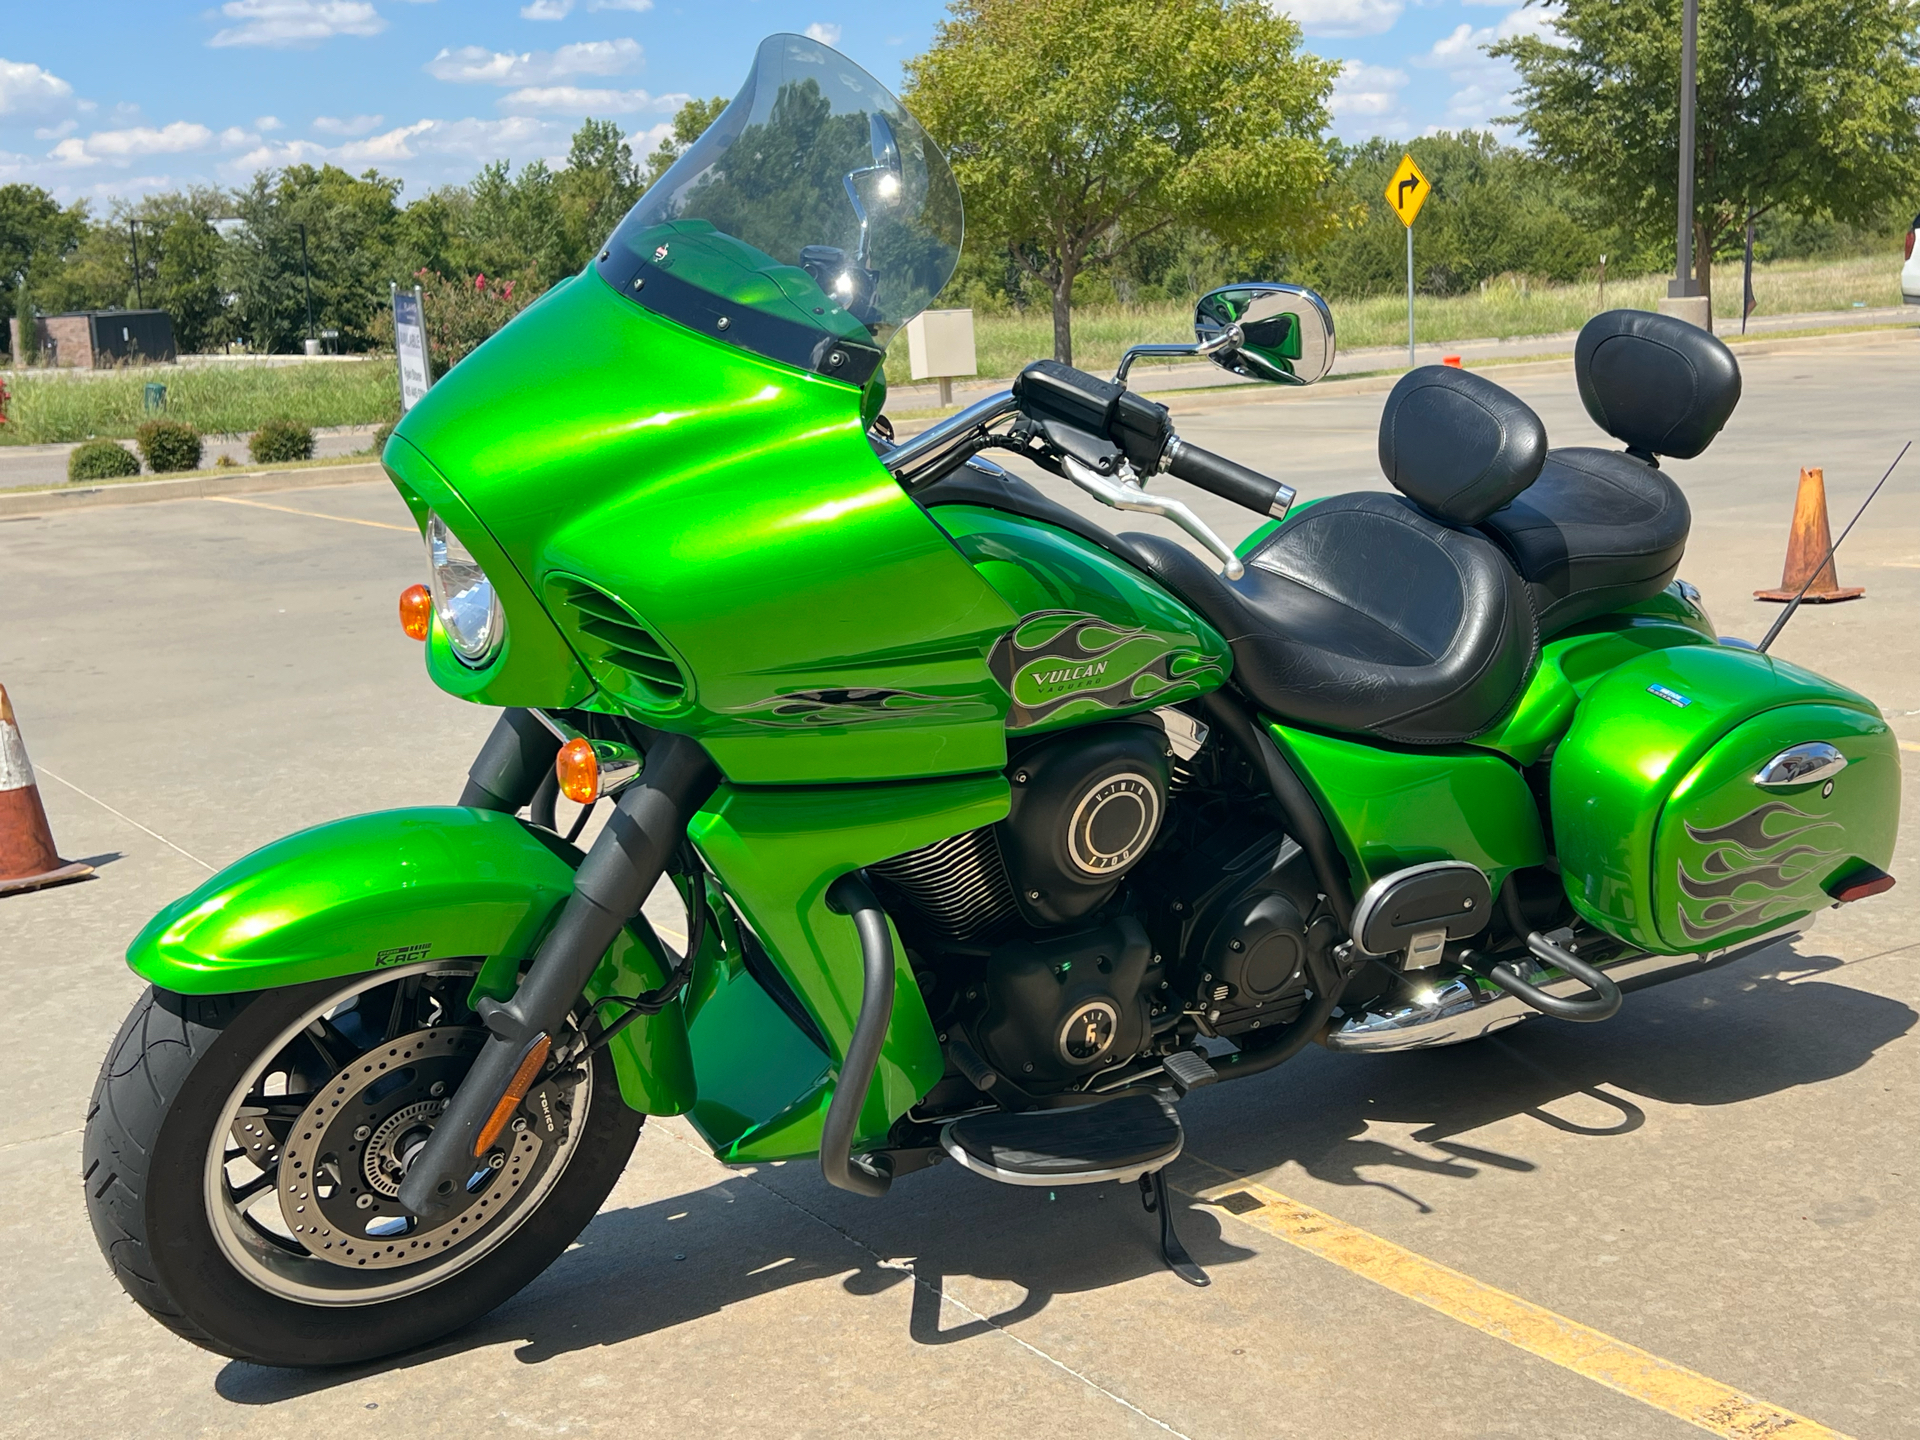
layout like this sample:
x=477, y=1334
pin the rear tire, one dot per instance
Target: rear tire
x=165, y=1087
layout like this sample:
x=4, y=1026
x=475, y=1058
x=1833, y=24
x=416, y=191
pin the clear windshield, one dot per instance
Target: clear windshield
x=815, y=198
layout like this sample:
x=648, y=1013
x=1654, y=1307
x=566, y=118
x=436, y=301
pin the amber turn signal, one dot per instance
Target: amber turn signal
x=578, y=769
x=416, y=611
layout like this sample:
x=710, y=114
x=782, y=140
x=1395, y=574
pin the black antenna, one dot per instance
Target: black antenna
x=1794, y=604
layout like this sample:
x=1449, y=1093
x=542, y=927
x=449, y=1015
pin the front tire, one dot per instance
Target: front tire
x=208, y=1255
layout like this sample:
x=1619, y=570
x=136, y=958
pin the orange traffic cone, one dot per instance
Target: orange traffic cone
x=1809, y=543
x=27, y=857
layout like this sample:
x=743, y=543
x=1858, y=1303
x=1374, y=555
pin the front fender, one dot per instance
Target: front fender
x=394, y=888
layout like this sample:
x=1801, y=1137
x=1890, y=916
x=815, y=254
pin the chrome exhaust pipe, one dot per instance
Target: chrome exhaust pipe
x=1460, y=1007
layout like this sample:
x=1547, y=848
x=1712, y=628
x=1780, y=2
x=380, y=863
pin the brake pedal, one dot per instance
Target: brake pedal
x=1189, y=1070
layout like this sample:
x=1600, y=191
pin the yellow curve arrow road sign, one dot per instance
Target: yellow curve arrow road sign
x=1407, y=191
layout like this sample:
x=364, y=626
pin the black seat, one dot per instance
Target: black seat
x=1599, y=529
x=1596, y=531
x=1382, y=615
x=1362, y=614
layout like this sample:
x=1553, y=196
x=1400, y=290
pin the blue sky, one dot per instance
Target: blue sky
x=104, y=98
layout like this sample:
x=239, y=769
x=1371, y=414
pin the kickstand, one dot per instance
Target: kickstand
x=1153, y=1196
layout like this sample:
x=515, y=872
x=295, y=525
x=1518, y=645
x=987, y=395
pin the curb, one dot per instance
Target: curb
x=1199, y=402
x=195, y=487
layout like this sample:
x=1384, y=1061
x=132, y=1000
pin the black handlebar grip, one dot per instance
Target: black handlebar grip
x=1260, y=493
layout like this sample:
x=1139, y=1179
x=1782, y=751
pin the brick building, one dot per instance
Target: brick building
x=91, y=339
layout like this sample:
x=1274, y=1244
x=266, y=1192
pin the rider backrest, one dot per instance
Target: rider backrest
x=1458, y=445
x=1661, y=385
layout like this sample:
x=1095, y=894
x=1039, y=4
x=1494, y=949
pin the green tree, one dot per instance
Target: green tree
x=350, y=223
x=1813, y=105
x=690, y=122
x=35, y=232
x=599, y=185
x=1494, y=209
x=1079, y=128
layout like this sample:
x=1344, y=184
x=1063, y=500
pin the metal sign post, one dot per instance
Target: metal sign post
x=1407, y=191
x=410, y=346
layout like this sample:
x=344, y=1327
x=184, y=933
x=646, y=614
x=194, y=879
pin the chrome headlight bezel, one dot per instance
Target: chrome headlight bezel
x=464, y=599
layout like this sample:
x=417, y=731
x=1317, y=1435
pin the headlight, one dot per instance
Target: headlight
x=463, y=597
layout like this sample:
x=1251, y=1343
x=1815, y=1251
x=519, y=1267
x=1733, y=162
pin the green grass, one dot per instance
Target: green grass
x=1004, y=343
x=234, y=399
x=215, y=399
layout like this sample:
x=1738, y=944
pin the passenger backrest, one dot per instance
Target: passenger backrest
x=1457, y=445
x=1662, y=386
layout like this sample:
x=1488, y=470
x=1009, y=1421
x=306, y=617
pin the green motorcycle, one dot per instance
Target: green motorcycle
x=997, y=834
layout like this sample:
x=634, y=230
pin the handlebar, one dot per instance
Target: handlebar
x=1259, y=493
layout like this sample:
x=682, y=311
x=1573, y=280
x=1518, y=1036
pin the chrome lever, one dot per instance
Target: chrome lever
x=1125, y=494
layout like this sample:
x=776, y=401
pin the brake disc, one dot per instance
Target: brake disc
x=344, y=1158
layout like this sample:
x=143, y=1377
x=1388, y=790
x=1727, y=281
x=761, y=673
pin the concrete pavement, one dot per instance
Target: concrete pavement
x=1723, y=1176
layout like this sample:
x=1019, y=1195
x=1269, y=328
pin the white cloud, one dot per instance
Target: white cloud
x=824, y=33
x=280, y=24
x=122, y=146
x=547, y=10
x=54, y=132
x=349, y=125
x=574, y=100
x=1342, y=17
x=28, y=90
x=476, y=65
x=1485, y=86
x=1366, y=91
x=267, y=122
x=645, y=142
x=639, y=7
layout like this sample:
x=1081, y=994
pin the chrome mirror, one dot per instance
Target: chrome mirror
x=1285, y=332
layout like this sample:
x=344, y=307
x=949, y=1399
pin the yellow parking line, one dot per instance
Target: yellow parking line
x=1619, y=1366
x=1909, y=745
x=315, y=514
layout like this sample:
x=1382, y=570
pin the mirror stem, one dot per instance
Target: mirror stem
x=1225, y=340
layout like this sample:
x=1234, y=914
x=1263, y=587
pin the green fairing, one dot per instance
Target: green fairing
x=1390, y=808
x=393, y=888
x=1096, y=638
x=764, y=1088
x=745, y=544
x=1638, y=764
x=1571, y=663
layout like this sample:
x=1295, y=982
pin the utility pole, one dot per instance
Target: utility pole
x=133, y=234
x=306, y=280
x=1683, y=291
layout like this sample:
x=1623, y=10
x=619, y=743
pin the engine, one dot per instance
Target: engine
x=1056, y=1009
x=1044, y=944
x=1239, y=911
x=1086, y=805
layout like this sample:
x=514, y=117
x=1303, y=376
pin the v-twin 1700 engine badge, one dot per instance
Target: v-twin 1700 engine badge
x=1113, y=823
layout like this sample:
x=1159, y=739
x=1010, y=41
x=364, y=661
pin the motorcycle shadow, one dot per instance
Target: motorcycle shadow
x=1756, y=1028
x=1759, y=1027
x=644, y=1269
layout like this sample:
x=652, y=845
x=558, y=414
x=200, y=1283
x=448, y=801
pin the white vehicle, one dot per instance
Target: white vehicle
x=1910, y=276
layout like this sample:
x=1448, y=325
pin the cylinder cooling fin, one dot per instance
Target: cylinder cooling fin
x=960, y=884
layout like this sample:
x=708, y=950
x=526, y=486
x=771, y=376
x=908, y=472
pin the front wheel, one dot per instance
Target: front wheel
x=244, y=1153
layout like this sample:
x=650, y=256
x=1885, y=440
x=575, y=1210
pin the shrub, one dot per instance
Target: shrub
x=380, y=437
x=101, y=460
x=169, y=445
x=278, y=441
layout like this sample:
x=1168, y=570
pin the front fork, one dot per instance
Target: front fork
x=649, y=821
